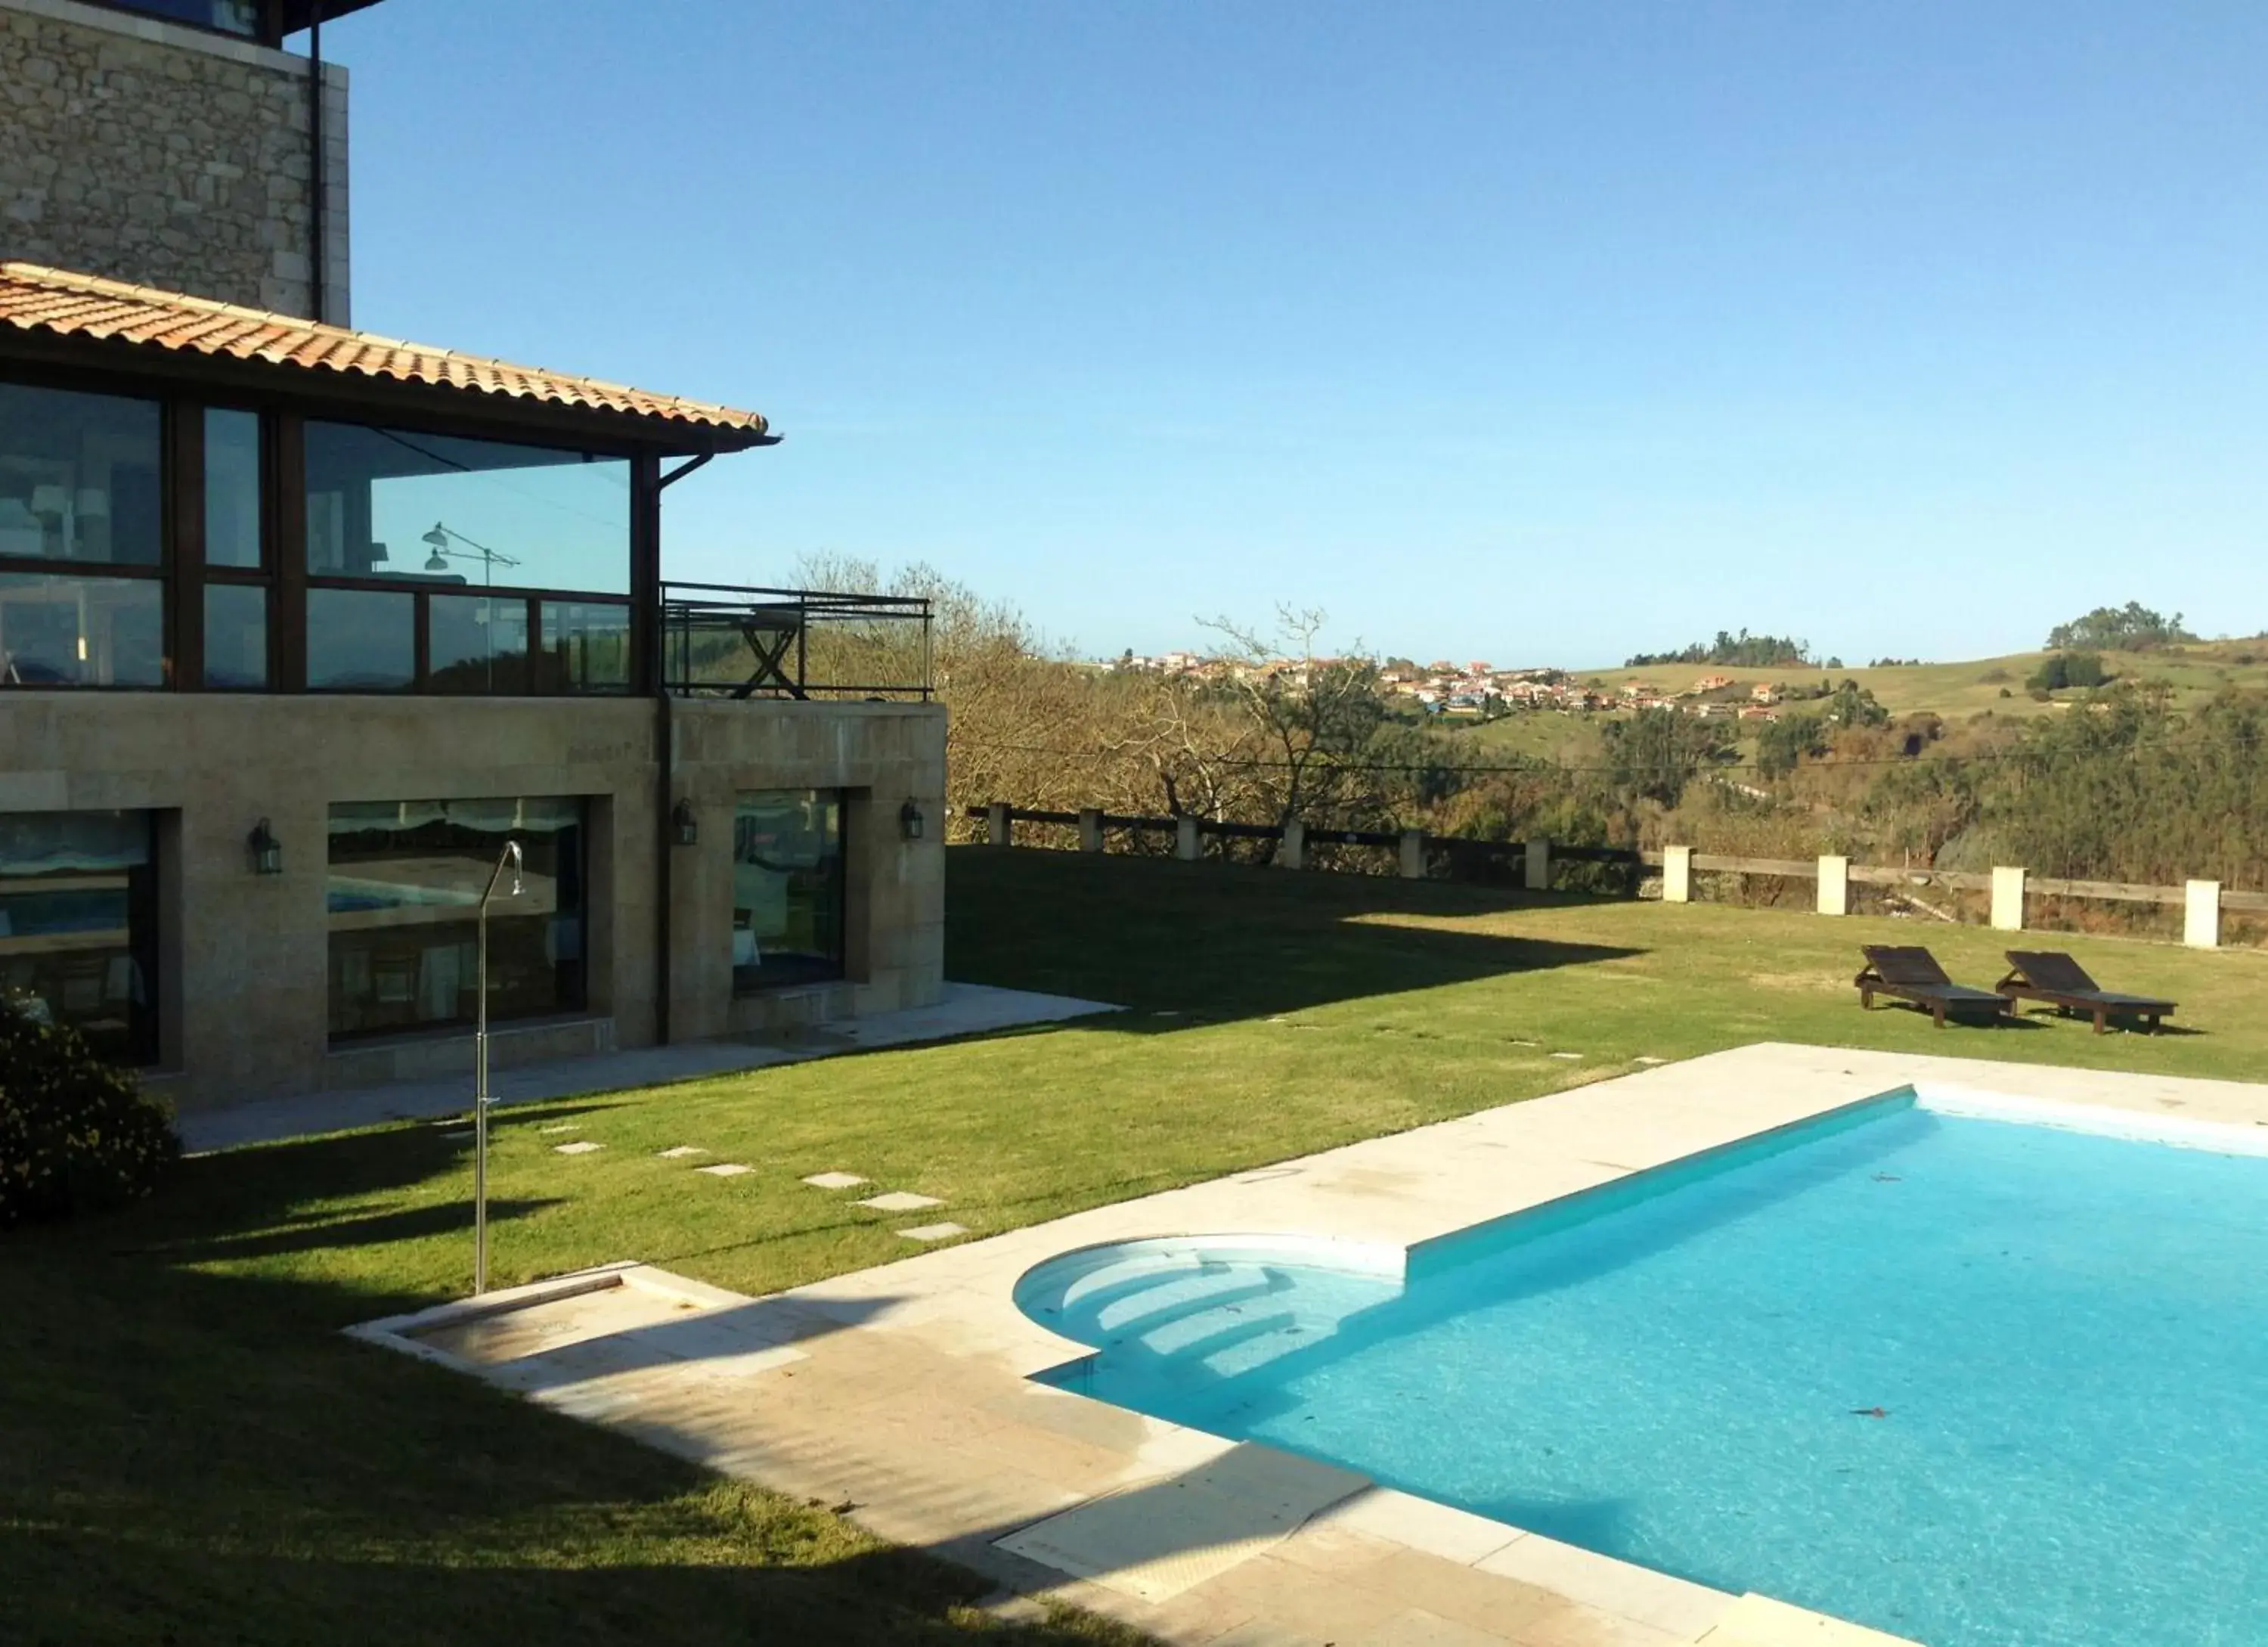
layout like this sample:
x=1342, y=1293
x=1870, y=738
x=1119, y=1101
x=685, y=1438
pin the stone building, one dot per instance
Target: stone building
x=304, y=631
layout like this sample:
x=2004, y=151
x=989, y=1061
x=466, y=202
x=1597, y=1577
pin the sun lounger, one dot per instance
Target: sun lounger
x=1913, y=974
x=2052, y=976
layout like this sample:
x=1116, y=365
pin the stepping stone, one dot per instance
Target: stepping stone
x=834, y=1180
x=725, y=1170
x=933, y=1232
x=901, y=1201
x=564, y=1127
x=1649, y=1060
x=1566, y=1055
x=680, y=1152
x=581, y=1147
x=452, y=1137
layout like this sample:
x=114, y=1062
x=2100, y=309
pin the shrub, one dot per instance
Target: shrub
x=2065, y=669
x=75, y=1134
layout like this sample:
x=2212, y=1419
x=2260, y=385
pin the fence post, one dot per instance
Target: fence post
x=995, y=823
x=1834, y=885
x=2007, y=898
x=1293, y=853
x=1413, y=854
x=2201, y=915
x=1185, y=838
x=1535, y=864
x=1090, y=829
x=1677, y=875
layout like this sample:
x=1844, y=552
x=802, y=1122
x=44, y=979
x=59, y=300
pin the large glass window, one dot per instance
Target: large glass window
x=787, y=887
x=406, y=879
x=73, y=631
x=437, y=509
x=476, y=643
x=587, y=646
x=231, y=488
x=236, y=636
x=361, y=640
x=231, y=17
x=78, y=938
x=78, y=477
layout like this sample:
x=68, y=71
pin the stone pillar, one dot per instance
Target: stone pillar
x=2007, y=898
x=1413, y=854
x=996, y=824
x=1186, y=846
x=1677, y=875
x=1293, y=853
x=1536, y=863
x=1834, y=885
x=1090, y=829
x=2201, y=915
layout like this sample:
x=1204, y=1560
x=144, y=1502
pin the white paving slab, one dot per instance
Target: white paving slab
x=580, y=1146
x=899, y=1201
x=933, y=1232
x=835, y=1180
x=680, y=1152
x=726, y=1170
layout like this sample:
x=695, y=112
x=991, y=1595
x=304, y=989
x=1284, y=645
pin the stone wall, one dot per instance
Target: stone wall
x=148, y=151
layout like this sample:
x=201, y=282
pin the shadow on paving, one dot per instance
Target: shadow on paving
x=1215, y=941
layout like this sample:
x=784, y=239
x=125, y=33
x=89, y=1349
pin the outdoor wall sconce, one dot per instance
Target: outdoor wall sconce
x=687, y=826
x=267, y=851
x=910, y=820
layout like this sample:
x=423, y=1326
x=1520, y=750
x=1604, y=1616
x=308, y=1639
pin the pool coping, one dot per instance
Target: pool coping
x=906, y=1390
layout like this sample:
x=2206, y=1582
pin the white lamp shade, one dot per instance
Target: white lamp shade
x=49, y=499
x=93, y=504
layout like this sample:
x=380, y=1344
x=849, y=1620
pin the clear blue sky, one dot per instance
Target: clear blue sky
x=1536, y=332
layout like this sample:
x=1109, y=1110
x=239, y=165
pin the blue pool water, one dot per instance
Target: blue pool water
x=2066, y=1335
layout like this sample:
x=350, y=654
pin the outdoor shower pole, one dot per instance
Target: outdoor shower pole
x=510, y=855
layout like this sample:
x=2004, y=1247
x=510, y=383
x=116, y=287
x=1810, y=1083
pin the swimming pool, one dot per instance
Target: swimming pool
x=1970, y=1380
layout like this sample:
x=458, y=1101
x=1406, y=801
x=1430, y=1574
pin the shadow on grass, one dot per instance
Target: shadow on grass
x=1213, y=941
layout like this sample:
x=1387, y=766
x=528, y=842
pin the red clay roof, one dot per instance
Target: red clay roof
x=63, y=304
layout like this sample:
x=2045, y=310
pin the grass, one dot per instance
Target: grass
x=189, y=1452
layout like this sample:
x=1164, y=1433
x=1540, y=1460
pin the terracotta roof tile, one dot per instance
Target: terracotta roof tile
x=57, y=301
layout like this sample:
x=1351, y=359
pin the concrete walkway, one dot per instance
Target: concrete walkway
x=964, y=1009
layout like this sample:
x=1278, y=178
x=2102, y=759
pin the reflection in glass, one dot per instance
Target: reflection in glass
x=78, y=477
x=406, y=879
x=361, y=640
x=236, y=635
x=390, y=503
x=587, y=646
x=231, y=17
x=787, y=887
x=78, y=938
x=476, y=643
x=66, y=630
x=231, y=488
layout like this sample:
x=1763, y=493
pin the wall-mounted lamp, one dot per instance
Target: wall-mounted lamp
x=267, y=851
x=910, y=820
x=687, y=827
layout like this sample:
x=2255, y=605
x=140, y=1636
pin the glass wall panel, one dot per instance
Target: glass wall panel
x=390, y=503
x=476, y=643
x=231, y=488
x=787, y=887
x=69, y=630
x=361, y=640
x=406, y=879
x=78, y=477
x=78, y=938
x=236, y=635
x=232, y=16
x=587, y=646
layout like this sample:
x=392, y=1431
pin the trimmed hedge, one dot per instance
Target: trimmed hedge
x=75, y=1134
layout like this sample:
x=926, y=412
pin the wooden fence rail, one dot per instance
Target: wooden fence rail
x=1532, y=861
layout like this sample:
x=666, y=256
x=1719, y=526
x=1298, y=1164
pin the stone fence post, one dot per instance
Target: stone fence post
x=1677, y=875
x=1185, y=838
x=2201, y=915
x=1834, y=885
x=2007, y=898
x=1535, y=865
x=996, y=824
x=1293, y=853
x=1413, y=854
x=1090, y=829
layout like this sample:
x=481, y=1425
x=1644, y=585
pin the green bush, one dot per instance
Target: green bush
x=75, y=1133
x=2062, y=670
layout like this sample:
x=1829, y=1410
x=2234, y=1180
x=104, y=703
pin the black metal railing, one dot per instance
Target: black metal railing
x=721, y=640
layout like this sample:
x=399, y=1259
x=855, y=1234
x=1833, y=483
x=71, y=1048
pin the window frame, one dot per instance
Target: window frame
x=840, y=961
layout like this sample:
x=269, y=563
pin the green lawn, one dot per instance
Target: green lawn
x=189, y=1452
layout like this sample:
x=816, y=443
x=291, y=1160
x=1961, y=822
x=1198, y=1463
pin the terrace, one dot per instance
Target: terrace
x=176, y=1447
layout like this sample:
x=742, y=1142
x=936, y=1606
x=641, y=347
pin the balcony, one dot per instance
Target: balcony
x=724, y=641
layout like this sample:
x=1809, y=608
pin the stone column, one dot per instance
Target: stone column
x=1413, y=854
x=1293, y=853
x=2201, y=915
x=1677, y=875
x=1834, y=885
x=1090, y=829
x=1186, y=846
x=996, y=824
x=1535, y=864
x=2007, y=898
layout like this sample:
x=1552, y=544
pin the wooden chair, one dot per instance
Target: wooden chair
x=1912, y=974
x=2053, y=976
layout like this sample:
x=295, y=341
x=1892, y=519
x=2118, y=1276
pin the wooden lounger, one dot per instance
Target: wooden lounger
x=2052, y=976
x=1913, y=974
